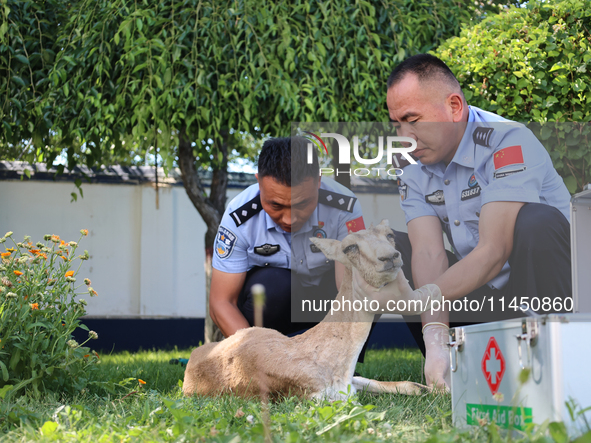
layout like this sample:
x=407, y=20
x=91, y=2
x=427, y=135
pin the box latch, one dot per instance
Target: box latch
x=456, y=343
x=529, y=336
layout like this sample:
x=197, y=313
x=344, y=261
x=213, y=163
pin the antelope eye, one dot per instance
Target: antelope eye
x=350, y=248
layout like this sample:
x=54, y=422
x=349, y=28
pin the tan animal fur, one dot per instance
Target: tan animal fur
x=318, y=363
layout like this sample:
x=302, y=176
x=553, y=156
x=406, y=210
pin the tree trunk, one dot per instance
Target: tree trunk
x=212, y=332
x=210, y=208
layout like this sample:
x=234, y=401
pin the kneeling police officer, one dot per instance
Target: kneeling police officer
x=264, y=238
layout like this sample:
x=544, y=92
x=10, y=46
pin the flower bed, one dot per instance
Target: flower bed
x=39, y=309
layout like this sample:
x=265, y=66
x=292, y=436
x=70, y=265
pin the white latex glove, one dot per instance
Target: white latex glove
x=436, y=337
x=396, y=295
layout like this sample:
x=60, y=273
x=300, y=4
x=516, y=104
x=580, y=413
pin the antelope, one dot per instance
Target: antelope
x=319, y=363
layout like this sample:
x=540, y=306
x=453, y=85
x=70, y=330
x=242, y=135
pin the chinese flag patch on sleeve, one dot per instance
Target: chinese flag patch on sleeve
x=508, y=156
x=355, y=225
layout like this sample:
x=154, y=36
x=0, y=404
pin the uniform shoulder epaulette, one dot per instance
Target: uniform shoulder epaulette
x=247, y=210
x=481, y=136
x=335, y=200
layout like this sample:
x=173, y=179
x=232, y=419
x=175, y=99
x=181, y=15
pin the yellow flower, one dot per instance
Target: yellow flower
x=141, y=381
x=34, y=306
x=69, y=273
x=11, y=249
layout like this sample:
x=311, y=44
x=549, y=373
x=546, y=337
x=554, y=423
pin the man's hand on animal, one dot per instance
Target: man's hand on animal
x=436, y=337
x=397, y=297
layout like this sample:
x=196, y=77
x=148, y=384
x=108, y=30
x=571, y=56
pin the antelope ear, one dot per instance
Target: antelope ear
x=385, y=223
x=331, y=249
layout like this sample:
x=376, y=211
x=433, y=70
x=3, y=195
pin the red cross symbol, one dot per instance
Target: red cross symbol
x=493, y=365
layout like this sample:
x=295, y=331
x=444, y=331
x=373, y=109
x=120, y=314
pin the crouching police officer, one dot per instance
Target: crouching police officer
x=264, y=238
x=490, y=186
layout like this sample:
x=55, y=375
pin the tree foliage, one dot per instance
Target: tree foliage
x=28, y=33
x=531, y=64
x=125, y=68
x=185, y=78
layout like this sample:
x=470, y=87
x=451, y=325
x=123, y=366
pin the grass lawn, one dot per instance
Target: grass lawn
x=157, y=411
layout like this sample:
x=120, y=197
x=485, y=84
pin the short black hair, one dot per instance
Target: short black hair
x=425, y=67
x=286, y=160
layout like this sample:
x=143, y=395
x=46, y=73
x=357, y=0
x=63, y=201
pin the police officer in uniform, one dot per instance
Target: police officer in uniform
x=490, y=186
x=264, y=238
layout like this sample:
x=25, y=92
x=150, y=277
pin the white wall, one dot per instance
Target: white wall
x=144, y=262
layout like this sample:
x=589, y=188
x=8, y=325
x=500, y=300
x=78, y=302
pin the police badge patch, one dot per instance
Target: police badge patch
x=403, y=190
x=224, y=242
x=317, y=232
x=473, y=189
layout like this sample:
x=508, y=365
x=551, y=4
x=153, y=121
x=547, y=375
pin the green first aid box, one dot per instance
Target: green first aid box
x=522, y=371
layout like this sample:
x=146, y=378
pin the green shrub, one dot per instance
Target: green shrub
x=530, y=64
x=38, y=313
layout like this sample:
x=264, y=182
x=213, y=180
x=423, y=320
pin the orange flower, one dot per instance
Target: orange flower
x=62, y=243
x=5, y=254
x=43, y=255
x=96, y=353
x=34, y=306
x=94, y=293
x=35, y=251
x=65, y=258
x=87, y=355
x=141, y=381
x=69, y=273
x=84, y=232
x=17, y=273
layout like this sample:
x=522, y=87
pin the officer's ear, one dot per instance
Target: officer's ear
x=331, y=249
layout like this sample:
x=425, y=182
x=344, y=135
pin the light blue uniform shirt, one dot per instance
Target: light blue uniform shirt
x=246, y=229
x=497, y=160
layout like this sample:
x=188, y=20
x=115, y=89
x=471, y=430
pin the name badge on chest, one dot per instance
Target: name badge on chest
x=266, y=249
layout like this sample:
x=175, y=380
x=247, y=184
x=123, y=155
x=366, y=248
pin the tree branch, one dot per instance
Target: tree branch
x=208, y=211
x=219, y=182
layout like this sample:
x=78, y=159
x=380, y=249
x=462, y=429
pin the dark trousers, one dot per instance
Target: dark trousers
x=282, y=290
x=540, y=268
